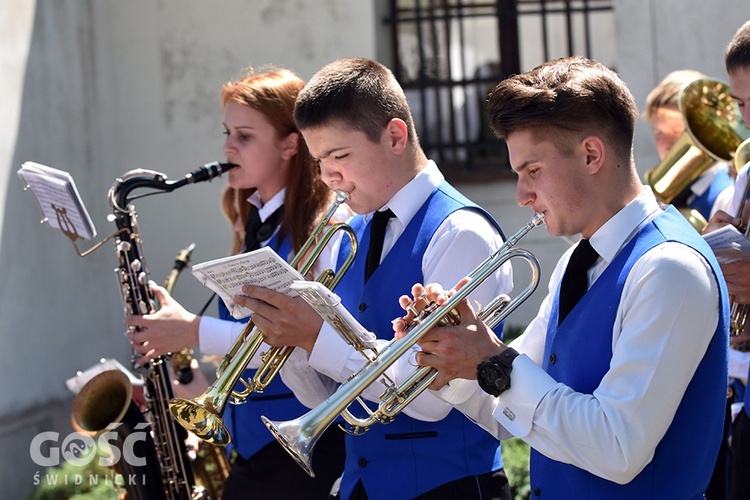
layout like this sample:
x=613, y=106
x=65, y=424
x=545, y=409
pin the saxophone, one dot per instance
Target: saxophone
x=181, y=360
x=209, y=462
x=176, y=477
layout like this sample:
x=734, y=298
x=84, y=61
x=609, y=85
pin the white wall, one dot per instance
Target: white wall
x=655, y=37
x=98, y=88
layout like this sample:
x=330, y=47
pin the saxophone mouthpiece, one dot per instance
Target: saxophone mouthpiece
x=208, y=172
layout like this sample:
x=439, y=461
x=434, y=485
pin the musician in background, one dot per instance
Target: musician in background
x=609, y=391
x=737, y=274
x=713, y=189
x=275, y=199
x=355, y=119
x=707, y=194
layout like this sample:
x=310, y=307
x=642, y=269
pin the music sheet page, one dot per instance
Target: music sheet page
x=262, y=267
x=57, y=197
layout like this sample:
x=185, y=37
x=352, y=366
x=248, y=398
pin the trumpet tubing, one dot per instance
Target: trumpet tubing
x=298, y=437
x=203, y=415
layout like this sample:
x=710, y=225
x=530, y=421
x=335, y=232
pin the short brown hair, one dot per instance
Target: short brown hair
x=358, y=92
x=738, y=51
x=572, y=94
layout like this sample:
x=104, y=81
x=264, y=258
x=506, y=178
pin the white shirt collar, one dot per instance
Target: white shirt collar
x=265, y=210
x=408, y=200
x=699, y=186
x=620, y=228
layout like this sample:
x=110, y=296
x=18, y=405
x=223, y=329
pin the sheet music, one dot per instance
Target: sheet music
x=262, y=267
x=58, y=200
x=328, y=305
x=729, y=245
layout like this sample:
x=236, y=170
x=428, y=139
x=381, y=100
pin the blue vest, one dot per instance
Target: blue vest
x=684, y=459
x=407, y=457
x=705, y=202
x=249, y=434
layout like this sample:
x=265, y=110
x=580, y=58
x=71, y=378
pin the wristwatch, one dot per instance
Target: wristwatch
x=493, y=374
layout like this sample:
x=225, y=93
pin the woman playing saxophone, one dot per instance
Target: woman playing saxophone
x=273, y=199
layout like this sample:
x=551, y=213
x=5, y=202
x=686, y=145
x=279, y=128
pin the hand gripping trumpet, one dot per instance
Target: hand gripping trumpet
x=202, y=415
x=299, y=436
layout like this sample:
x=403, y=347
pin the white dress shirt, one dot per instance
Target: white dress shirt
x=216, y=335
x=664, y=323
x=740, y=183
x=461, y=242
x=702, y=183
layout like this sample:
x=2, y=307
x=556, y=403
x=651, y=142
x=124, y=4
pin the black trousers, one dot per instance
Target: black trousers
x=717, y=487
x=739, y=477
x=490, y=486
x=273, y=474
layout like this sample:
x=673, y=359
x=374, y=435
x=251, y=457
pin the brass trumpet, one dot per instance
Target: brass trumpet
x=299, y=436
x=202, y=415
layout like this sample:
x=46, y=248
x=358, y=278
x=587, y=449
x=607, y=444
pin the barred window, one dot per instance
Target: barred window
x=449, y=54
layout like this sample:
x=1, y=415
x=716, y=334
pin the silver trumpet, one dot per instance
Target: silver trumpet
x=299, y=436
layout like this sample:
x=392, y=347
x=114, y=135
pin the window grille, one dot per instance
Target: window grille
x=449, y=54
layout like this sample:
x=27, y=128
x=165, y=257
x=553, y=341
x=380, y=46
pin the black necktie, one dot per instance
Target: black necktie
x=257, y=231
x=377, y=234
x=575, y=281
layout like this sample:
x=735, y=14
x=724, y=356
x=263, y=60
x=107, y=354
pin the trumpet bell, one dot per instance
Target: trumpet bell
x=296, y=440
x=202, y=422
x=714, y=129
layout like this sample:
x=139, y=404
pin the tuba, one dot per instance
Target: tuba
x=299, y=436
x=714, y=129
x=106, y=400
x=202, y=415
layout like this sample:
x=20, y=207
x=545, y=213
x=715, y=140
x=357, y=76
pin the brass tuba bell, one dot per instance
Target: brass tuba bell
x=714, y=129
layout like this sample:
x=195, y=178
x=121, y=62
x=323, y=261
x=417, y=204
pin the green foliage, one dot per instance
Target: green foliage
x=515, y=450
x=78, y=482
x=510, y=332
x=516, y=464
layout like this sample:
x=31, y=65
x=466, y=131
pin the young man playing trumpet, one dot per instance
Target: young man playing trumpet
x=737, y=274
x=357, y=124
x=610, y=390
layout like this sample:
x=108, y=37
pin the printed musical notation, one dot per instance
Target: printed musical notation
x=729, y=245
x=262, y=267
x=58, y=200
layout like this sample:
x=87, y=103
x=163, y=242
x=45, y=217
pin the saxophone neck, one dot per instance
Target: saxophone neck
x=157, y=181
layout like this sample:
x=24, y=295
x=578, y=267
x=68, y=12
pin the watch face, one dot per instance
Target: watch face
x=493, y=378
x=502, y=382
